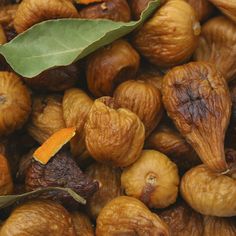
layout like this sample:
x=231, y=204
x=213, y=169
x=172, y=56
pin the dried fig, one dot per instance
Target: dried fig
x=31, y=12
x=7, y=15
x=116, y=10
x=208, y=192
x=15, y=103
x=170, y=36
x=3, y=38
x=128, y=216
x=153, y=179
x=46, y=118
x=110, y=66
x=114, y=136
x=217, y=45
x=137, y=7
x=39, y=218
x=197, y=99
x=110, y=187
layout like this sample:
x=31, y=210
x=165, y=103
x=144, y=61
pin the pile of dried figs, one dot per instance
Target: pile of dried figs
x=154, y=112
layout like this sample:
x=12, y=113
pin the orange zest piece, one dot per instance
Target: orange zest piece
x=53, y=144
x=86, y=2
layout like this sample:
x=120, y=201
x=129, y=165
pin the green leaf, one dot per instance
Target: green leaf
x=61, y=42
x=8, y=200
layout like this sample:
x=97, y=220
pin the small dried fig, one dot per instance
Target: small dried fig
x=197, y=99
x=39, y=218
x=3, y=38
x=110, y=66
x=208, y=192
x=7, y=15
x=114, y=136
x=170, y=36
x=218, y=45
x=128, y=216
x=137, y=7
x=15, y=103
x=116, y=10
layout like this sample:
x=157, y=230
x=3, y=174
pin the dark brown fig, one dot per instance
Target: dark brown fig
x=137, y=7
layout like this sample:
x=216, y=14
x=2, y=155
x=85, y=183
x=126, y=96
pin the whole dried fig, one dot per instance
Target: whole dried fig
x=218, y=45
x=143, y=99
x=110, y=66
x=39, y=218
x=128, y=216
x=197, y=99
x=137, y=7
x=3, y=38
x=110, y=187
x=114, y=136
x=7, y=15
x=170, y=36
x=208, y=192
x=153, y=179
x=15, y=103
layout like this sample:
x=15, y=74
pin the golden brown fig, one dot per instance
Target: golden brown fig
x=208, y=192
x=110, y=187
x=3, y=38
x=197, y=99
x=15, y=103
x=110, y=66
x=170, y=36
x=46, y=118
x=137, y=7
x=37, y=218
x=31, y=12
x=114, y=136
x=128, y=216
x=143, y=99
x=218, y=45
x=7, y=15
x=153, y=179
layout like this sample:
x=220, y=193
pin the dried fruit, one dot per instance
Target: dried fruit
x=110, y=66
x=143, y=99
x=7, y=15
x=218, y=45
x=114, y=136
x=170, y=36
x=39, y=218
x=3, y=38
x=208, y=192
x=15, y=103
x=137, y=7
x=110, y=187
x=197, y=99
x=128, y=216
x=153, y=179
x=87, y=1
x=31, y=12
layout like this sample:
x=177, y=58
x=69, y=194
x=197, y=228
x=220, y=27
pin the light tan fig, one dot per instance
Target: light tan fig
x=153, y=179
x=113, y=135
x=170, y=36
x=110, y=66
x=38, y=218
x=208, y=192
x=46, y=117
x=197, y=99
x=3, y=38
x=218, y=45
x=142, y=98
x=128, y=216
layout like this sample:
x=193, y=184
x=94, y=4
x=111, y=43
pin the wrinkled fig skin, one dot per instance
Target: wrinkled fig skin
x=114, y=136
x=230, y=156
x=128, y=216
x=217, y=45
x=110, y=66
x=3, y=38
x=197, y=99
x=38, y=218
x=60, y=171
x=137, y=7
x=208, y=192
x=170, y=36
x=31, y=12
x=110, y=187
x=116, y=10
x=7, y=15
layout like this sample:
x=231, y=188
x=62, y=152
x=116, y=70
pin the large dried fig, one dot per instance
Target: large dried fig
x=110, y=66
x=128, y=216
x=208, y=192
x=153, y=179
x=38, y=218
x=218, y=45
x=15, y=103
x=137, y=7
x=114, y=136
x=197, y=99
x=170, y=36
x=3, y=38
